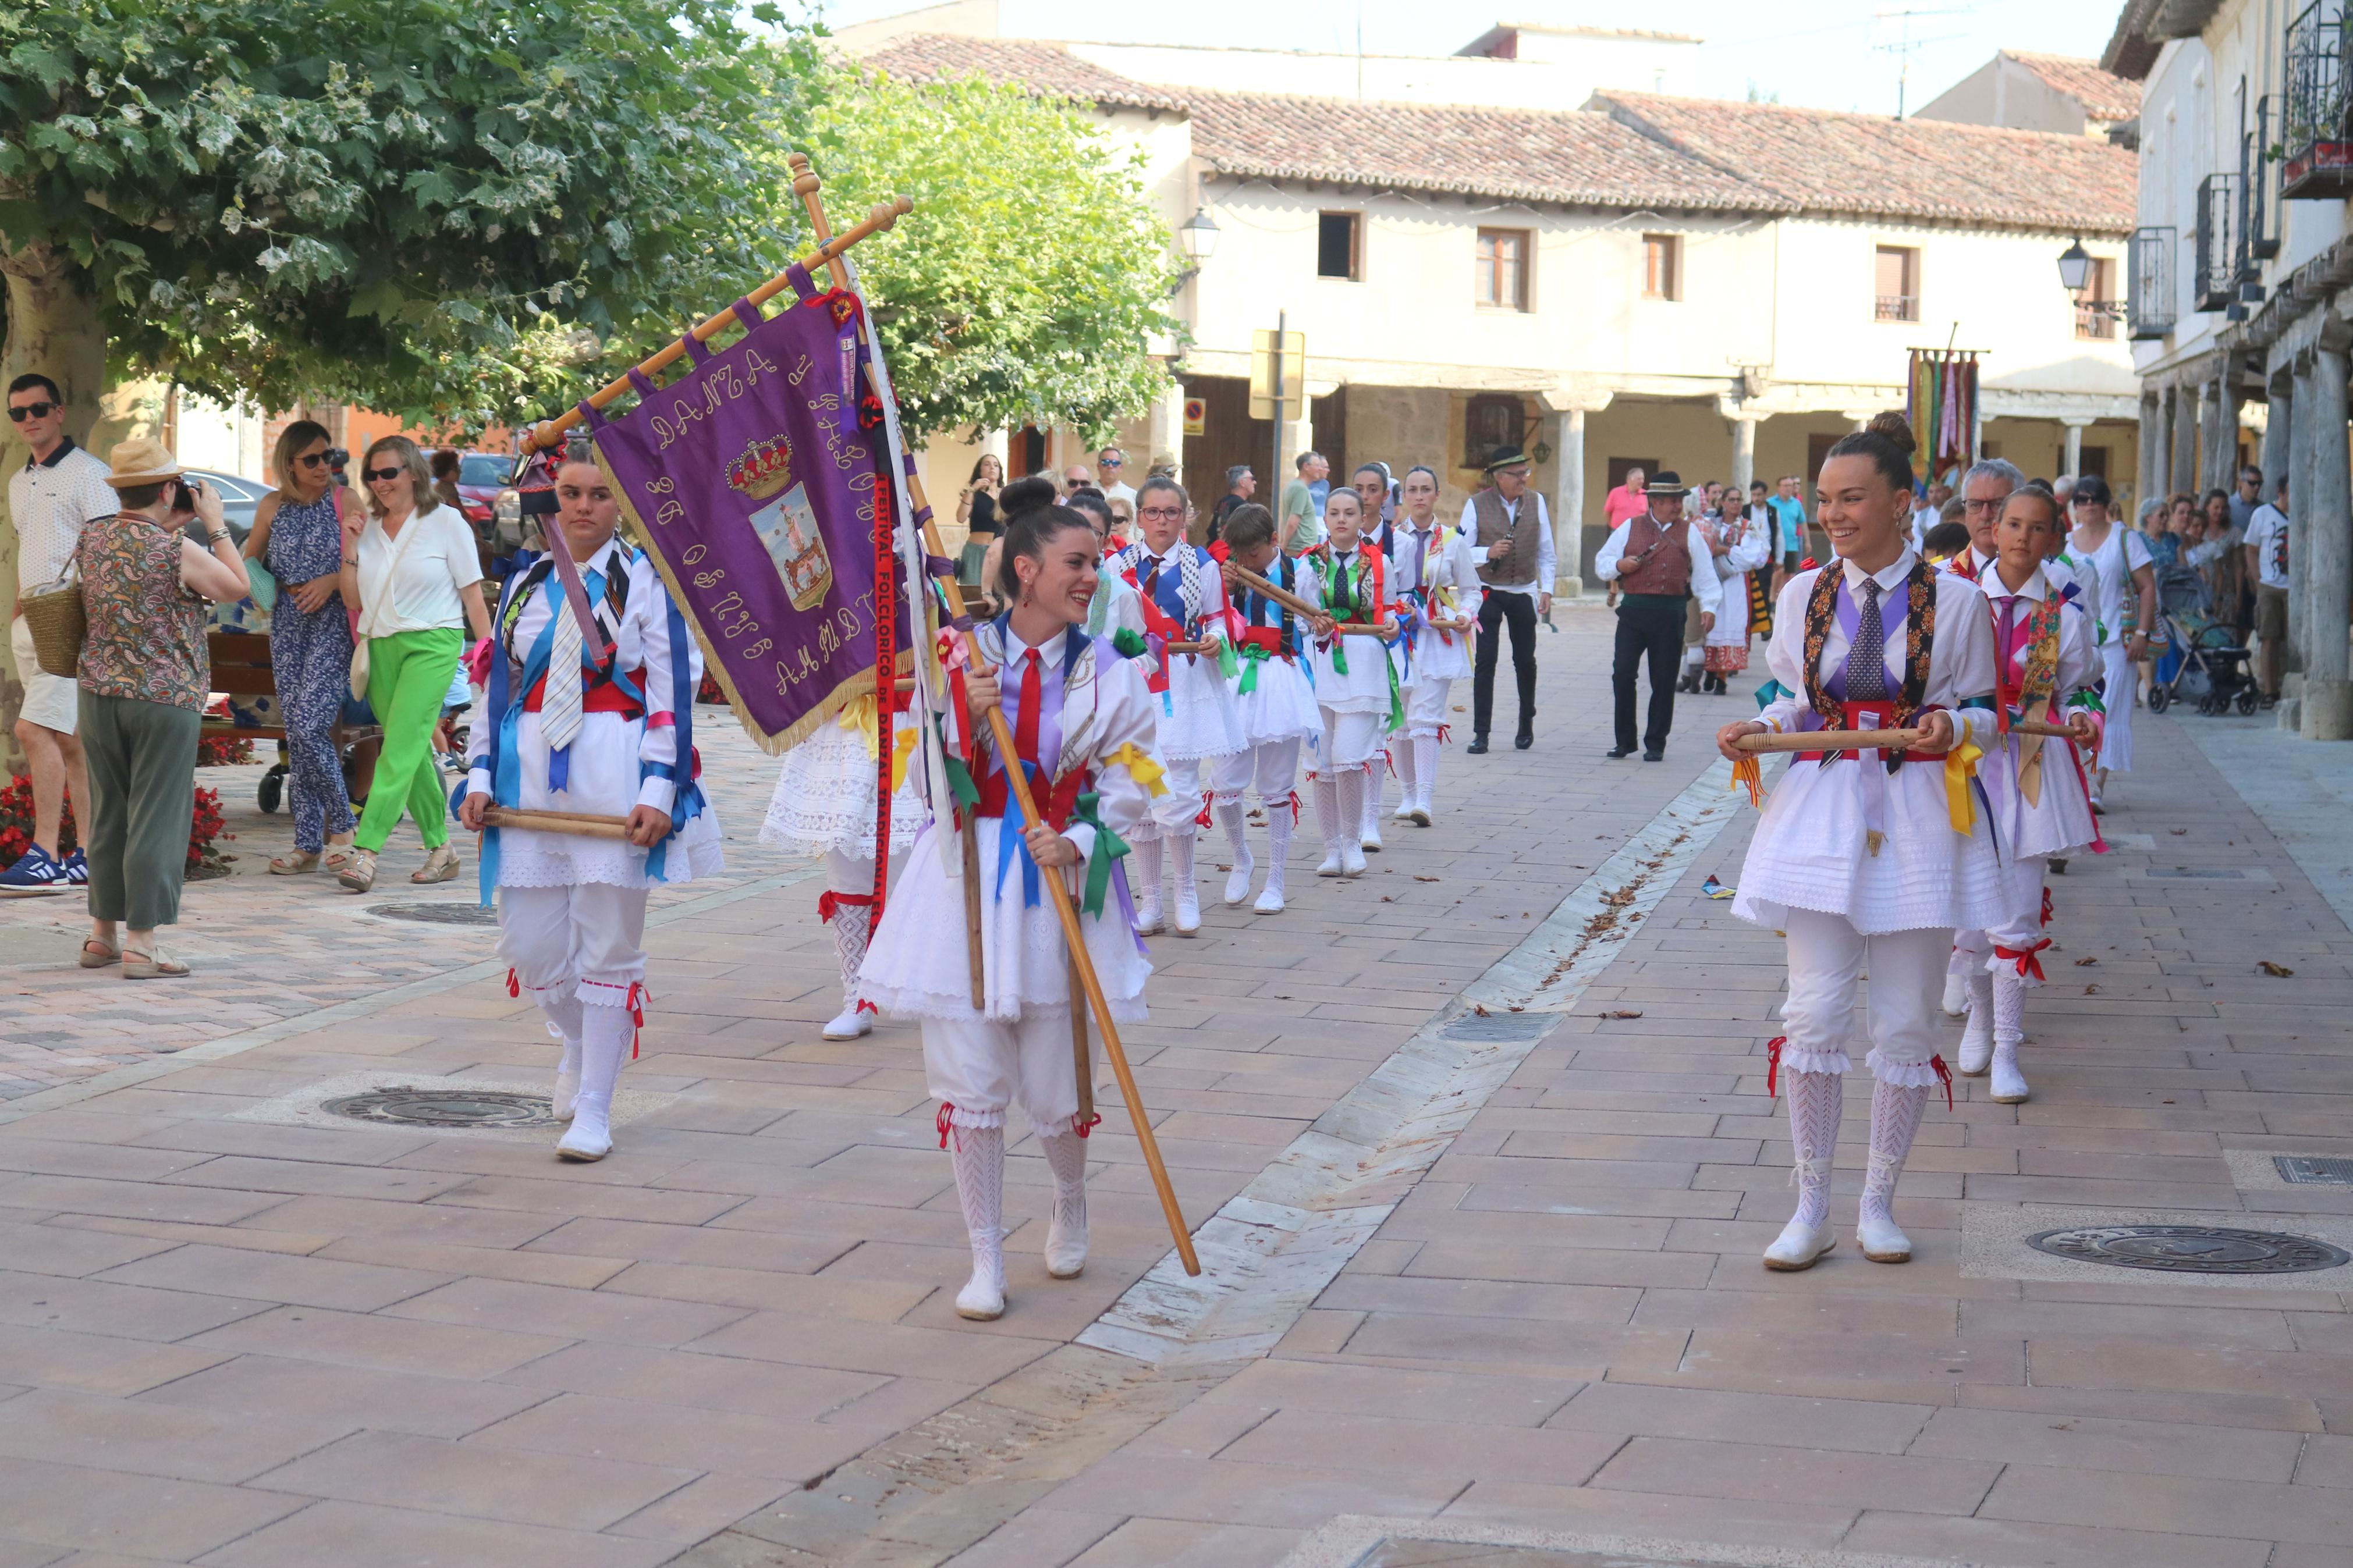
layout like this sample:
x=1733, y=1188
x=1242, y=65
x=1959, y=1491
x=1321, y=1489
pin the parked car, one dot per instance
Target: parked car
x=239, y=497
x=481, y=477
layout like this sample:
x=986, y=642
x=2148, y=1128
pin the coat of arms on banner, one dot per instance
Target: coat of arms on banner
x=762, y=493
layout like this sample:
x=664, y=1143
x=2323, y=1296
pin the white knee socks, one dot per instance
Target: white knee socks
x=1148, y=863
x=980, y=1188
x=1816, y=1101
x=1405, y=757
x=1425, y=767
x=1066, y=1233
x=1976, y=1034
x=1896, y=1112
x=561, y=1006
x=2008, y=1086
x=1327, y=821
x=1188, y=914
x=1278, y=851
x=1238, y=880
x=605, y=1035
x=1368, y=836
x=1348, y=814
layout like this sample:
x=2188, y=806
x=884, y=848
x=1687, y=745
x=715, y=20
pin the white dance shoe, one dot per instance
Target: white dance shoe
x=1238, y=880
x=568, y=1089
x=588, y=1140
x=1352, y=859
x=1066, y=1246
x=1800, y=1244
x=983, y=1298
x=849, y=1024
x=1975, y=1053
x=1334, y=863
x=1881, y=1240
x=1956, y=992
x=1270, y=898
x=1147, y=912
x=1189, y=909
x=1404, y=813
x=2009, y=1084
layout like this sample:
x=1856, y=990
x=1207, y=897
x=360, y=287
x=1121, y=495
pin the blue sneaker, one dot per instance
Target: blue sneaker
x=36, y=873
x=77, y=869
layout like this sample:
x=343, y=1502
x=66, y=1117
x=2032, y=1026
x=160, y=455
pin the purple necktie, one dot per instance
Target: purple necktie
x=1866, y=661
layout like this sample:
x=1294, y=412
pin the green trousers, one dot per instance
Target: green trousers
x=409, y=674
x=143, y=793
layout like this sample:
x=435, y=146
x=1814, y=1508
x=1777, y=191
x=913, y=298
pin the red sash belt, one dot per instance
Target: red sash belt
x=1882, y=713
x=602, y=698
x=1267, y=637
x=1055, y=802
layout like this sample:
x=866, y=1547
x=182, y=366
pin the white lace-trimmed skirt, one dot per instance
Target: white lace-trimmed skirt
x=1810, y=852
x=918, y=966
x=603, y=780
x=824, y=800
x=1198, y=716
x=1282, y=707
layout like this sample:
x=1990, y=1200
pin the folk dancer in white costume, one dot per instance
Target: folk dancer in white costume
x=1868, y=858
x=1277, y=703
x=2117, y=556
x=2047, y=665
x=1435, y=586
x=615, y=740
x=1739, y=547
x=1184, y=600
x=1083, y=724
x=1356, y=685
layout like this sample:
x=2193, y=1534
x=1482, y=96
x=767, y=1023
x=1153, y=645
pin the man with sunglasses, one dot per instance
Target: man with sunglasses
x=60, y=489
x=1110, y=463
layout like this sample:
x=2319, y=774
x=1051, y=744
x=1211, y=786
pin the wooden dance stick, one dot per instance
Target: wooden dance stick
x=2041, y=726
x=806, y=186
x=1258, y=584
x=1833, y=741
x=548, y=432
x=580, y=825
x=1082, y=1057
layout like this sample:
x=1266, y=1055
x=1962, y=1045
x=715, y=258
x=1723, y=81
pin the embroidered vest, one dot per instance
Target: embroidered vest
x=1919, y=642
x=1662, y=557
x=1511, y=539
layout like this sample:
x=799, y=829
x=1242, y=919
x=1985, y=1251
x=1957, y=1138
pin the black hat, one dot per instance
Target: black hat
x=1505, y=457
x=1665, y=482
x=2091, y=486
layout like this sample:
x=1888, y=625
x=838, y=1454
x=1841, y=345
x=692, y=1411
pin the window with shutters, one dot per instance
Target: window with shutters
x=1898, y=289
x=1503, y=278
x=1662, y=267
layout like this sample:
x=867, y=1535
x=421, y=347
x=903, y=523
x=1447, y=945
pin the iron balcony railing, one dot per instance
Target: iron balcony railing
x=2315, y=142
x=1896, y=307
x=2216, y=283
x=2259, y=163
x=2149, y=307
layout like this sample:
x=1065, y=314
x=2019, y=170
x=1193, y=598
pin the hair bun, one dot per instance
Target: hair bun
x=1025, y=496
x=1894, y=428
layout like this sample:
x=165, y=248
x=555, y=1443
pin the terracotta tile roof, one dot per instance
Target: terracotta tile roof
x=1043, y=68
x=1569, y=156
x=2104, y=94
x=1872, y=166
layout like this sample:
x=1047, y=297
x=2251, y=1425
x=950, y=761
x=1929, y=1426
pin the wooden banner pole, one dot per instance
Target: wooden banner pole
x=806, y=185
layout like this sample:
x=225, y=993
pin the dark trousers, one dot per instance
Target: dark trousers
x=142, y=783
x=1520, y=610
x=1648, y=624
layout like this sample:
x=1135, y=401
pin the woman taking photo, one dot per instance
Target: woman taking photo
x=977, y=510
x=416, y=579
x=2117, y=555
x=298, y=533
x=145, y=675
x=1861, y=864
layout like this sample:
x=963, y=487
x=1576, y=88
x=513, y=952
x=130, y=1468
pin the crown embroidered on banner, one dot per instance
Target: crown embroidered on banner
x=764, y=469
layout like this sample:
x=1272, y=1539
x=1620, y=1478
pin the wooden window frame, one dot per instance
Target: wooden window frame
x=1488, y=270
x=1356, y=273
x=1902, y=307
x=1669, y=247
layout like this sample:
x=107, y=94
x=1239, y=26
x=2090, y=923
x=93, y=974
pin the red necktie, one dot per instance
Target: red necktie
x=1033, y=697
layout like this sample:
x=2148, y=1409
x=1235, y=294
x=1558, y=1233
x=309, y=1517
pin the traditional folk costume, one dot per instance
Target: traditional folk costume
x=1083, y=723
x=2121, y=555
x=572, y=910
x=1659, y=569
x=824, y=804
x=2047, y=664
x=1870, y=859
x=1748, y=548
x=1357, y=696
x=1277, y=705
x=1183, y=595
x=1434, y=579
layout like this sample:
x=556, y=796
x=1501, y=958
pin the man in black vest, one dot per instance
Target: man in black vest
x=1511, y=546
x=1651, y=560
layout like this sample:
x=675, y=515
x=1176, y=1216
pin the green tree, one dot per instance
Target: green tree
x=1027, y=286
x=447, y=209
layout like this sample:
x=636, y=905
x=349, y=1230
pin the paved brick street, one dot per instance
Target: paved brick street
x=1500, y=1306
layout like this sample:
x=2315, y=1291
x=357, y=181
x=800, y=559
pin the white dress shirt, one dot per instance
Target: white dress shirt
x=1707, y=586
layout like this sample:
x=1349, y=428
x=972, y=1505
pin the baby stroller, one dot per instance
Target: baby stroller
x=2209, y=661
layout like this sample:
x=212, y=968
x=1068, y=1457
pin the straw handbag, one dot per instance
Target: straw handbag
x=58, y=625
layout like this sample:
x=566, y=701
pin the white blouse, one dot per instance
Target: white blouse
x=413, y=584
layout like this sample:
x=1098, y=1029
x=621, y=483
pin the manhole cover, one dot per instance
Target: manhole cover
x=2314, y=1171
x=443, y=914
x=1500, y=1026
x=2191, y=1249
x=445, y=1107
x=2182, y=873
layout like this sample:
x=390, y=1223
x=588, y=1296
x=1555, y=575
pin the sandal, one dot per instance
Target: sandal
x=439, y=865
x=96, y=955
x=335, y=857
x=293, y=865
x=359, y=875
x=156, y=965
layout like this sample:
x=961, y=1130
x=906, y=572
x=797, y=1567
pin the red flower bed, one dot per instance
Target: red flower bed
x=222, y=751
x=16, y=827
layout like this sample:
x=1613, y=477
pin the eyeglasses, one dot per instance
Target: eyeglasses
x=19, y=412
x=313, y=459
x=1111, y=462
x=372, y=475
x=1162, y=513
x=1986, y=506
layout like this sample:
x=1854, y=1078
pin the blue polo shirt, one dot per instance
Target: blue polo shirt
x=1792, y=513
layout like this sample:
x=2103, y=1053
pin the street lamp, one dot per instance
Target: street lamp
x=2074, y=268
x=1197, y=237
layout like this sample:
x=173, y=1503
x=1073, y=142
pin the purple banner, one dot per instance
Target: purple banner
x=755, y=480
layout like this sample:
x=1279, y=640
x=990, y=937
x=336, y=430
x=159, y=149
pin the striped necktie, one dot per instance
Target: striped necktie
x=560, y=710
